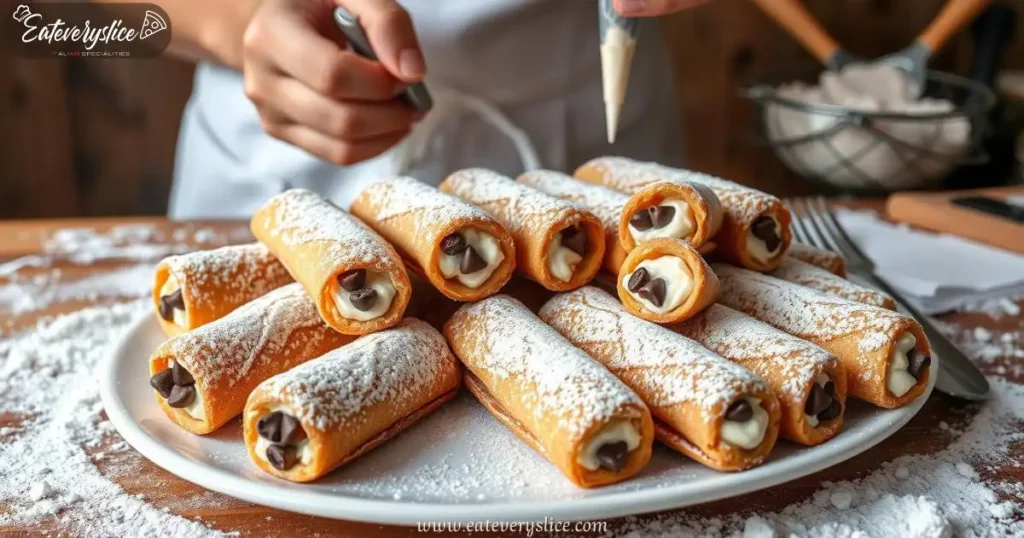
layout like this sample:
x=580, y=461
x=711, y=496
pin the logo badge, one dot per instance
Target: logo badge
x=84, y=30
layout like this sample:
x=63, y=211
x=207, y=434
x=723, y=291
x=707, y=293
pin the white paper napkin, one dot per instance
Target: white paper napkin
x=938, y=272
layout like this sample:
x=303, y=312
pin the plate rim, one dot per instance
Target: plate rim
x=382, y=511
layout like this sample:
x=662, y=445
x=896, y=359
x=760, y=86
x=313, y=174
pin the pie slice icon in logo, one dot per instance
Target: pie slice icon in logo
x=152, y=24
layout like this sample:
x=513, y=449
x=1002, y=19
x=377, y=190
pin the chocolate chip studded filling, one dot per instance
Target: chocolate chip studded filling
x=575, y=240
x=661, y=216
x=764, y=229
x=638, y=279
x=739, y=411
x=654, y=292
x=176, y=385
x=353, y=280
x=282, y=457
x=817, y=401
x=641, y=220
x=918, y=363
x=283, y=431
x=612, y=456
x=170, y=302
x=454, y=244
x=833, y=410
x=471, y=261
x=363, y=299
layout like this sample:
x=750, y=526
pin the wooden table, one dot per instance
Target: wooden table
x=162, y=489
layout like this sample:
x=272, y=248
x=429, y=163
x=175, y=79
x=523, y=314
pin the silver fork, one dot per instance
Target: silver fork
x=816, y=225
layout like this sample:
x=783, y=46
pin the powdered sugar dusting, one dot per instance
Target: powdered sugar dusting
x=826, y=259
x=565, y=381
x=229, y=275
x=813, y=277
x=804, y=312
x=743, y=204
x=227, y=348
x=672, y=369
x=401, y=196
x=606, y=204
x=387, y=366
x=521, y=209
x=741, y=338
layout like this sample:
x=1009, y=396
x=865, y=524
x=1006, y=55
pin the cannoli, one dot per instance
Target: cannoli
x=709, y=409
x=814, y=277
x=559, y=245
x=461, y=250
x=755, y=231
x=886, y=354
x=673, y=209
x=355, y=277
x=809, y=382
x=201, y=378
x=666, y=280
x=832, y=262
x=194, y=289
x=606, y=204
x=553, y=396
x=314, y=418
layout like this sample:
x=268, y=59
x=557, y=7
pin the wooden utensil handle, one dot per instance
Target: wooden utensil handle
x=954, y=15
x=794, y=18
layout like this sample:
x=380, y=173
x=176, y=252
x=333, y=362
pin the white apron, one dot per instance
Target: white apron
x=516, y=84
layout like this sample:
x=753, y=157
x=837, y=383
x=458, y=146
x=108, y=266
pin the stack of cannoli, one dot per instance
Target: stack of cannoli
x=559, y=244
x=461, y=250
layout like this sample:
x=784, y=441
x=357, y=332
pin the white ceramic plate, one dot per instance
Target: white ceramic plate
x=458, y=464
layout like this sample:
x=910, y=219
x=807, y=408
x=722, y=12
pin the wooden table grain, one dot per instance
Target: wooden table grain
x=21, y=239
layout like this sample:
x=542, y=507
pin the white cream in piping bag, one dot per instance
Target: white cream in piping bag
x=616, y=432
x=680, y=227
x=170, y=286
x=616, y=60
x=304, y=448
x=196, y=408
x=379, y=282
x=749, y=433
x=486, y=246
x=757, y=248
x=562, y=261
x=821, y=381
x=899, y=380
x=678, y=282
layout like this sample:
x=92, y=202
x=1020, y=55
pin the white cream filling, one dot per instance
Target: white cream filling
x=678, y=282
x=303, y=448
x=680, y=227
x=757, y=248
x=486, y=246
x=821, y=381
x=197, y=408
x=171, y=286
x=379, y=282
x=616, y=59
x=899, y=379
x=615, y=432
x=562, y=262
x=747, y=434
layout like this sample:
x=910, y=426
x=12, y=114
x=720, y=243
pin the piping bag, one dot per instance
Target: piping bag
x=618, y=43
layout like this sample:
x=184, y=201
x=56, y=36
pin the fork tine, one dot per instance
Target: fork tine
x=814, y=220
x=817, y=239
x=796, y=224
x=828, y=218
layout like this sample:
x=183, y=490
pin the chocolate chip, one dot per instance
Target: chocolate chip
x=641, y=220
x=291, y=429
x=654, y=292
x=163, y=382
x=454, y=244
x=764, y=229
x=165, y=309
x=739, y=411
x=471, y=262
x=169, y=302
x=281, y=457
x=363, y=299
x=575, y=240
x=612, y=456
x=352, y=280
x=830, y=389
x=181, y=375
x=662, y=215
x=638, y=279
x=269, y=426
x=181, y=396
x=919, y=362
x=817, y=401
x=833, y=410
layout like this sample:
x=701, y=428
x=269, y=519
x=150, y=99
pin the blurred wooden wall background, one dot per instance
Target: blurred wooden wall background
x=97, y=137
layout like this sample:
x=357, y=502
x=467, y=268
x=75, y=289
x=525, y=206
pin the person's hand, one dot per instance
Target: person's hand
x=653, y=8
x=312, y=92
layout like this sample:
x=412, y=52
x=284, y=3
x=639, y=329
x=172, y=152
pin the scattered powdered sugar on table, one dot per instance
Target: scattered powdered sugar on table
x=47, y=470
x=31, y=293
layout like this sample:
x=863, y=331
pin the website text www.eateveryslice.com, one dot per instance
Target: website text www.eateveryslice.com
x=525, y=528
